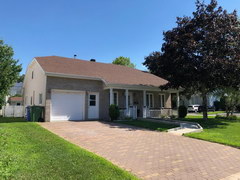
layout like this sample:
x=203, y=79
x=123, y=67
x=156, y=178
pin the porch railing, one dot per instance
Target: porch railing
x=157, y=112
x=131, y=112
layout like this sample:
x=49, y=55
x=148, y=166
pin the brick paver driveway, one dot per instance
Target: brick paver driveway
x=149, y=154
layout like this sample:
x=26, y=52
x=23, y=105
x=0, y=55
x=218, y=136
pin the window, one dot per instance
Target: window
x=18, y=104
x=161, y=100
x=40, y=98
x=149, y=99
x=26, y=101
x=115, y=98
x=32, y=74
x=33, y=99
x=130, y=99
x=92, y=100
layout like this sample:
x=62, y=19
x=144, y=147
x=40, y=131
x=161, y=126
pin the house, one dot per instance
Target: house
x=15, y=101
x=73, y=89
x=15, y=90
x=197, y=99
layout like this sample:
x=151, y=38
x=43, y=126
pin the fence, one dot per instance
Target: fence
x=13, y=111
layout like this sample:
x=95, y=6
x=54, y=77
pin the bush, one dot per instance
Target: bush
x=114, y=112
x=182, y=111
x=220, y=117
x=232, y=117
x=173, y=117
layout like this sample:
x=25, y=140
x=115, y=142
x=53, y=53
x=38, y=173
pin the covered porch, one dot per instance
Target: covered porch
x=144, y=102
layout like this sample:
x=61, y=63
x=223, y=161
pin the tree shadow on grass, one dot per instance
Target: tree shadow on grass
x=211, y=123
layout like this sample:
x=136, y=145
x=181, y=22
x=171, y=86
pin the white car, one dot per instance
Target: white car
x=193, y=108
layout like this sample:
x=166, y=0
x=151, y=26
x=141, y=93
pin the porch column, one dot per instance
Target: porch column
x=178, y=100
x=111, y=96
x=144, y=105
x=126, y=102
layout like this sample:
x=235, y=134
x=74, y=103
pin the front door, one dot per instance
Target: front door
x=93, y=105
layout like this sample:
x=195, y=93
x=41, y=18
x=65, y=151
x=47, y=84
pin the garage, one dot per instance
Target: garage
x=67, y=105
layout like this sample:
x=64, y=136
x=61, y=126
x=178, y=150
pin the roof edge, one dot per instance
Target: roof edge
x=138, y=87
x=74, y=76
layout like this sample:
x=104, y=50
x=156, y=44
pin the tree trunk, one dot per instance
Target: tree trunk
x=228, y=112
x=204, y=104
x=233, y=110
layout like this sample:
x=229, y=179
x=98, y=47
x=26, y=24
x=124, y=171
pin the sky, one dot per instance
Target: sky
x=91, y=29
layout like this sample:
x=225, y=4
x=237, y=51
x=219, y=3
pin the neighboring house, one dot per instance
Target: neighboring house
x=15, y=101
x=14, y=90
x=197, y=99
x=72, y=89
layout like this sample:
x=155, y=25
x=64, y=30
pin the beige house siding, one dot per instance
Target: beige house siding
x=32, y=87
x=78, y=85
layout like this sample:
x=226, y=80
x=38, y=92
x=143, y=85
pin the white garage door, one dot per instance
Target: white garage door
x=67, y=106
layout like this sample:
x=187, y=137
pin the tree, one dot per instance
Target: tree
x=9, y=70
x=21, y=78
x=124, y=61
x=202, y=53
x=231, y=98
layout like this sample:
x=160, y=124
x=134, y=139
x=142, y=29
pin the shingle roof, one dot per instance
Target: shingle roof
x=16, y=99
x=110, y=73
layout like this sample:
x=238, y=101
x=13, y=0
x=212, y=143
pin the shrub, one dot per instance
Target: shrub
x=114, y=112
x=163, y=116
x=182, y=111
x=220, y=117
x=173, y=117
x=232, y=117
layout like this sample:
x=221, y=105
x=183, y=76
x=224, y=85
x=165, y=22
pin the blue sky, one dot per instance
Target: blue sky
x=99, y=29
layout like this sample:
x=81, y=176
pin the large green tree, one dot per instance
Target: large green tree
x=202, y=53
x=21, y=78
x=9, y=70
x=124, y=61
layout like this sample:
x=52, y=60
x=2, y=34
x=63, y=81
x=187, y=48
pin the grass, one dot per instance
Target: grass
x=28, y=151
x=157, y=126
x=217, y=130
x=199, y=115
x=216, y=112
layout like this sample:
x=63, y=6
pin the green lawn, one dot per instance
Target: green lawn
x=209, y=113
x=216, y=112
x=28, y=151
x=198, y=116
x=157, y=126
x=218, y=130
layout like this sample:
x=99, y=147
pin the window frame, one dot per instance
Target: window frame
x=40, y=98
x=115, y=92
x=148, y=101
x=91, y=100
x=162, y=103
